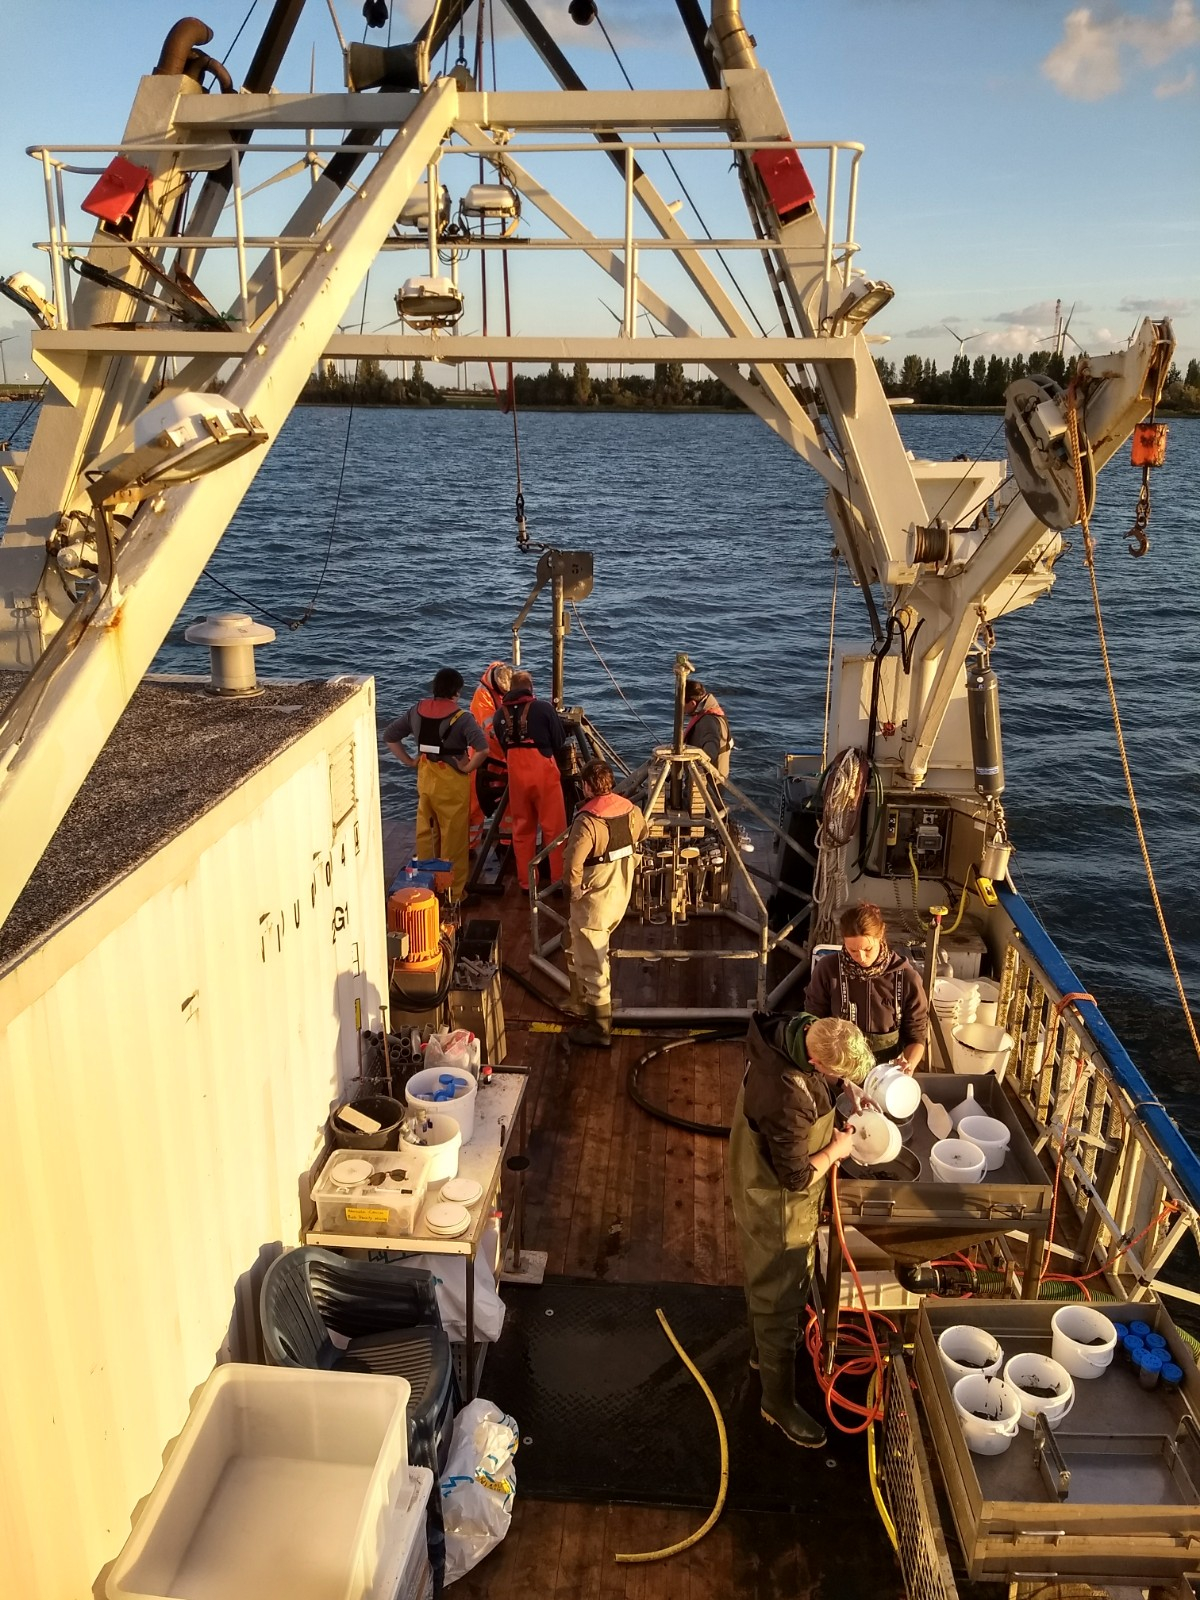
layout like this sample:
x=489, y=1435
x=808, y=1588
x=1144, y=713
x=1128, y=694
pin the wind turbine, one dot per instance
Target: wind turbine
x=963, y=339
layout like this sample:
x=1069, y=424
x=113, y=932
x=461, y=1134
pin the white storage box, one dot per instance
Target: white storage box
x=283, y=1485
x=376, y=1211
x=407, y=1574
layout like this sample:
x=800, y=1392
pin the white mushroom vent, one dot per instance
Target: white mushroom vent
x=231, y=637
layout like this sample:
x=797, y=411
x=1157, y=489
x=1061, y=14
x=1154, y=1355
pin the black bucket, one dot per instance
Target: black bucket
x=387, y=1112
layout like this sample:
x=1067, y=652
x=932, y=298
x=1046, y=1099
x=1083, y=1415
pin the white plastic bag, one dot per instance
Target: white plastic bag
x=450, y=1285
x=478, y=1486
x=456, y=1051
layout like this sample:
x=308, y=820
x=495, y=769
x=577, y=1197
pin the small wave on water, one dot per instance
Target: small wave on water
x=709, y=537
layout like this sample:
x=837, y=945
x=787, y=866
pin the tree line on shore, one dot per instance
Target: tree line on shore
x=968, y=383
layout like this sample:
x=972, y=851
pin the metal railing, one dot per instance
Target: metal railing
x=1106, y=1134
x=61, y=247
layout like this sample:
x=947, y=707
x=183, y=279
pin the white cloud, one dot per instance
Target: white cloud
x=1043, y=311
x=1088, y=61
x=1157, y=308
x=931, y=330
x=1170, y=87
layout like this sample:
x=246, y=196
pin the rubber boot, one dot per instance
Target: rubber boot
x=574, y=1005
x=777, y=1369
x=596, y=1031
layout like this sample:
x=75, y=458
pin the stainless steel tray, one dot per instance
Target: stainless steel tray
x=1130, y=1503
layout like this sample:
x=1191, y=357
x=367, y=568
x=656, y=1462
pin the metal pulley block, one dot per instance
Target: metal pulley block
x=1039, y=451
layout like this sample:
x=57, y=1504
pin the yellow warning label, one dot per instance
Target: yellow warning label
x=367, y=1214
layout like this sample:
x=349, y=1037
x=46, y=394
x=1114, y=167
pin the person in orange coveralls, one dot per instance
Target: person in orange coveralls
x=492, y=776
x=530, y=732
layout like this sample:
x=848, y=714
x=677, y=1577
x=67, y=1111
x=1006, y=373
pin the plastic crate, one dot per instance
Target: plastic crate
x=283, y=1485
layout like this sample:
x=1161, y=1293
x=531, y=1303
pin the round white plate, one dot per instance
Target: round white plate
x=447, y=1219
x=347, y=1173
x=463, y=1191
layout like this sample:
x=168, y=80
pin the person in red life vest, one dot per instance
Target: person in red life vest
x=598, y=863
x=706, y=725
x=488, y=784
x=530, y=733
x=450, y=746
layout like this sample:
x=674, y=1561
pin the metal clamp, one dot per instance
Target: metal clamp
x=1047, y=1458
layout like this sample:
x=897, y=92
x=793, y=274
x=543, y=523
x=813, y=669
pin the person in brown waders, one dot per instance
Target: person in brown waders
x=782, y=1147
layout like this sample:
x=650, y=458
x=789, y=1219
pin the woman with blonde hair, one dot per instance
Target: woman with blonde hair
x=782, y=1147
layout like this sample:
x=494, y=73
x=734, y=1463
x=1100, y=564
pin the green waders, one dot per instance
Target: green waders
x=776, y=1228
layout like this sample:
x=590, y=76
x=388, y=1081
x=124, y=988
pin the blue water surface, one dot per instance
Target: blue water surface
x=709, y=537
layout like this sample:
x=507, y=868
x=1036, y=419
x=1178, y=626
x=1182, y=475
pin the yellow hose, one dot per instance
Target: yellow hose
x=873, y=1470
x=692, y=1538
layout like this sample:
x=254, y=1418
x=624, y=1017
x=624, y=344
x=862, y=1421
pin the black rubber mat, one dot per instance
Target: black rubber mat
x=608, y=1412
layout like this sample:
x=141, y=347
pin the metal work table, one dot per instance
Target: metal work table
x=1014, y=1198
x=499, y=1114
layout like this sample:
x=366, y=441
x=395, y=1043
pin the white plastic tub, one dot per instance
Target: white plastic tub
x=957, y=1161
x=988, y=1134
x=894, y=1091
x=1073, y=1328
x=965, y=1351
x=1028, y=1370
x=989, y=996
x=421, y=1088
x=990, y=1434
x=384, y=1211
x=978, y=1049
x=283, y=1485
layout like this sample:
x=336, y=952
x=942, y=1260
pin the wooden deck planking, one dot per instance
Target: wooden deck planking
x=616, y=1194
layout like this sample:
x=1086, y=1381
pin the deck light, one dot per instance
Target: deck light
x=172, y=442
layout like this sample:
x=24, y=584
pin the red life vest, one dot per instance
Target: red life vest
x=709, y=707
x=435, y=718
x=514, y=715
x=614, y=810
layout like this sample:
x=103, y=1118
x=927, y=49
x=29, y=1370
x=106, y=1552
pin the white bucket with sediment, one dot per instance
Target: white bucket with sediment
x=1045, y=1386
x=990, y=1413
x=1082, y=1340
x=978, y=1049
x=966, y=1351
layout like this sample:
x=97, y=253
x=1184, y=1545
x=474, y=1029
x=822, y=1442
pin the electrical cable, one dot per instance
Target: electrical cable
x=684, y=190
x=241, y=30
x=633, y=1082
x=710, y=1520
x=608, y=669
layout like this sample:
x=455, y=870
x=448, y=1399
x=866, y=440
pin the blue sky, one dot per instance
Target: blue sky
x=1018, y=151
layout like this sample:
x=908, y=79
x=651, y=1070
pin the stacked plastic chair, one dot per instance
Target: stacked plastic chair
x=386, y=1320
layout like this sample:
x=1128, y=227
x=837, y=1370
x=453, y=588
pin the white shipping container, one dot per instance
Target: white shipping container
x=168, y=1055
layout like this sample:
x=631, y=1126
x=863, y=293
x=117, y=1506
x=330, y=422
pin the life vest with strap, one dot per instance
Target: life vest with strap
x=879, y=1042
x=614, y=810
x=514, y=718
x=435, y=718
x=710, y=707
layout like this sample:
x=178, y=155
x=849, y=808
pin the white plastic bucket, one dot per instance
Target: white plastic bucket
x=992, y=1433
x=894, y=1091
x=421, y=1088
x=966, y=1351
x=1073, y=1328
x=440, y=1151
x=989, y=996
x=978, y=1049
x=989, y=1134
x=957, y=1161
x=1026, y=1371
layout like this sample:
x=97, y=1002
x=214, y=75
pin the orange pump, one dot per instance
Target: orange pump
x=415, y=912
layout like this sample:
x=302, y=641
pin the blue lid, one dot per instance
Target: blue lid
x=430, y=864
x=1156, y=1341
x=1134, y=1346
x=1122, y=1332
x=1149, y=1360
x=1141, y=1329
x=1171, y=1373
x=447, y=1079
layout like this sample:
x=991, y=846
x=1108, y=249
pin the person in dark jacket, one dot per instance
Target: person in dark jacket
x=871, y=985
x=782, y=1146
